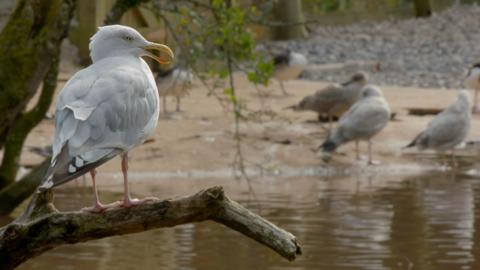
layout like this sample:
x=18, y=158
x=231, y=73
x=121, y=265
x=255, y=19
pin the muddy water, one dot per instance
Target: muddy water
x=368, y=222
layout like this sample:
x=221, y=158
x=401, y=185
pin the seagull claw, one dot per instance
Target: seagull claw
x=127, y=203
x=99, y=208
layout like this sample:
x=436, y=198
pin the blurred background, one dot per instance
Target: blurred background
x=409, y=212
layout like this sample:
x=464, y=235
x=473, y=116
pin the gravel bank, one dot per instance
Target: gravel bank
x=433, y=52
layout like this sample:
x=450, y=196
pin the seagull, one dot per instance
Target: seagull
x=473, y=82
x=365, y=119
x=106, y=109
x=288, y=66
x=334, y=99
x=448, y=129
x=173, y=82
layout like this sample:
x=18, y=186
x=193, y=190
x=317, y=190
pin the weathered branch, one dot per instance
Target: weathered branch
x=36, y=233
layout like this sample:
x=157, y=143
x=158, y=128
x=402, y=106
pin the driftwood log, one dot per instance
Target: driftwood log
x=42, y=227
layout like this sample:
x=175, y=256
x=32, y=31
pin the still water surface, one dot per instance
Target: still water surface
x=368, y=222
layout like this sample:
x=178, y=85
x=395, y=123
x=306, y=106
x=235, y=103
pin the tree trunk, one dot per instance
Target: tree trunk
x=13, y=193
x=42, y=227
x=29, y=48
x=423, y=8
x=288, y=12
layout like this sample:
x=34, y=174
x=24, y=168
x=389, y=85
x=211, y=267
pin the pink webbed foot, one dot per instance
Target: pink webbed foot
x=128, y=202
x=374, y=162
x=99, y=208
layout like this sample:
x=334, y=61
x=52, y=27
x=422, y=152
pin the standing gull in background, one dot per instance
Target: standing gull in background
x=173, y=82
x=106, y=109
x=288, y=66
x=473, y=82
x=448, y=129
x=335, y=99
x=365, y=119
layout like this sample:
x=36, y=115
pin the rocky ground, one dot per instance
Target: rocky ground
x=433, y=52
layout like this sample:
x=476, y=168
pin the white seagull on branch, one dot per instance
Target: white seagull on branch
x=106, y=109
x=174, y=82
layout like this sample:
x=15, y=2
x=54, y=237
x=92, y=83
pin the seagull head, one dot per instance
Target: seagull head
x=360, y=78
x=371, y=91
x=117, y=40
x=473, y=77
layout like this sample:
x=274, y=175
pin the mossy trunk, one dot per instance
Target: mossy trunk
x=423, y=8
x=29, y=48
x=25, y=123
x=290, y=14
x=14, y=194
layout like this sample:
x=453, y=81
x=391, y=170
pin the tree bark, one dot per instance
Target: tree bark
x=29, y=48
x=289, y=12
x=119, y=8
x=42, y=227
x=423, y=8
x=25, y=123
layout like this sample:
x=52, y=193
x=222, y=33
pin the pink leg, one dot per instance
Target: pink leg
x=357, y=151
x=283, y=88
x=178, y=104
x=475, y=94
x=98, y=206
x=164, y=103
x=370, y=160
x=127, y=201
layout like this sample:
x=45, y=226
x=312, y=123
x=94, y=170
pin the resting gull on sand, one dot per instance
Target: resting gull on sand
x=106, y=109
x=174, y=82
x=335, y=99
x=365, y=119
x=473, y=82
x=448, y=129
x=288, y=66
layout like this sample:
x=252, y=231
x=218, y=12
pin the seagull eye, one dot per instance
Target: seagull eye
x=128, y=38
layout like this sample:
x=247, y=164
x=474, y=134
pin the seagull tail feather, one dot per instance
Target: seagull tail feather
x=414, y=142
x=59, y=171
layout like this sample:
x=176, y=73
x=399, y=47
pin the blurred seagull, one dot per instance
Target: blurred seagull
x=173, y=82
x=288, y=66
x=335, y=99
x=106, y=109
x=448, y=129
x=473, y=82
x=365, y=119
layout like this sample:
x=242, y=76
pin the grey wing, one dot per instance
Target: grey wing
x=446, y=130
x=365, y=119
x=118, y=114
x=328, y=98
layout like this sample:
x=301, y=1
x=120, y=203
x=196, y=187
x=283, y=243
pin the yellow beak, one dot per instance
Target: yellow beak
x=159, y=47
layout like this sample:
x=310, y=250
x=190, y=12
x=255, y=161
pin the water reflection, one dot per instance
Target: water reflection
x=366, y=222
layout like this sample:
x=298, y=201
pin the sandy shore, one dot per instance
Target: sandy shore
x=198, y=142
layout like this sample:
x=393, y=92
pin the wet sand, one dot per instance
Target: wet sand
x=198, y=142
